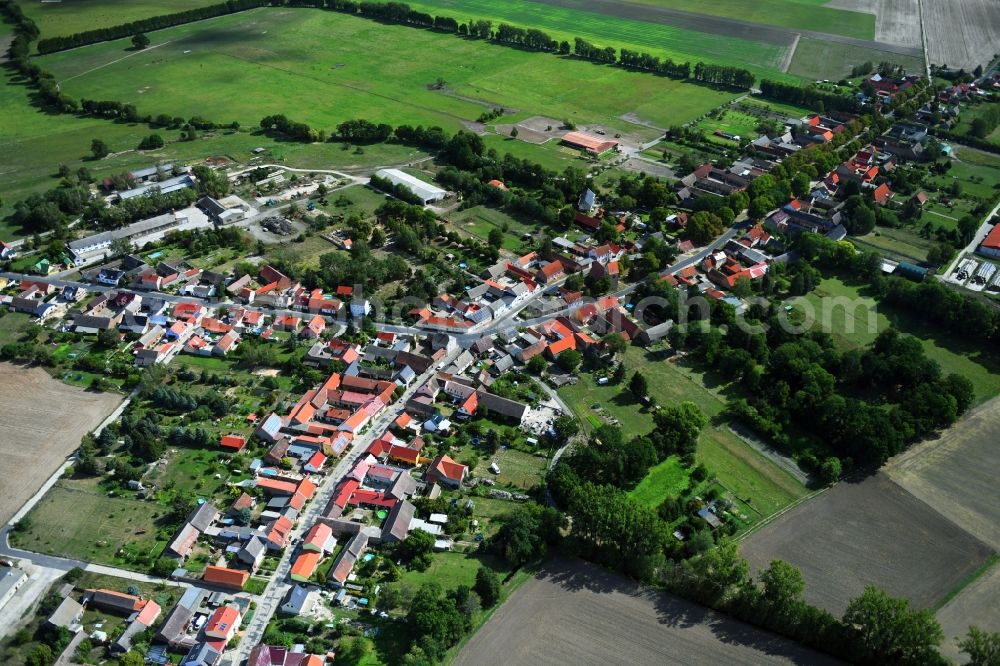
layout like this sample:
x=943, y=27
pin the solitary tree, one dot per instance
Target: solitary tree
x=99, y=149
x=638, y=385
x=140, y=41
x=513, y=132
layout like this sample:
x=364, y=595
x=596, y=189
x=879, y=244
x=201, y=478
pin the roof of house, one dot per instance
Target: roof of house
x=225, y=577
x=275, y=485
x=397, y=524
x=223, y=620
x=448, y=468
x=119, y=601
x=305, y=564
x=318, y=535
x=992, y=240
x=235, y=442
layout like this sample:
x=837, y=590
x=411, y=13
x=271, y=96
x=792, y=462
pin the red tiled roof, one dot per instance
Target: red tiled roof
x=445, y=467
x=225, y=577
x=234, y=442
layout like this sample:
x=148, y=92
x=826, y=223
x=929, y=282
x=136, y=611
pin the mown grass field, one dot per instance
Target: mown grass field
x=668, y=479
x=865, y=319
x=77, y=520
x=801, y=14
x=738, y=467
x=67, y=17
x=34, y=143
x=308, y=65
x=562, y=23
x=817, y=59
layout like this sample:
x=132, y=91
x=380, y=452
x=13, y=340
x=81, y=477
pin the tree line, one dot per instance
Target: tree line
x=538, y=40
x=61, y=43
x=807, y=96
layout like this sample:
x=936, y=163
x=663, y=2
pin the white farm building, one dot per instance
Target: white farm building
x=425, y=191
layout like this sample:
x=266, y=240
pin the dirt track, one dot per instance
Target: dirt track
x=869, y=532
x=573, y=613
x=41, y=422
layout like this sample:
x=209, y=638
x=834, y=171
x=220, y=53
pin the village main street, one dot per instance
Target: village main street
x=279, y=584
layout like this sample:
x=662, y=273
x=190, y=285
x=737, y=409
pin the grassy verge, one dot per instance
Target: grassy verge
x=965, y=582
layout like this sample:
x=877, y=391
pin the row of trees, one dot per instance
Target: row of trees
x=724, y=75
x=537, y=40
x=280, y=124
x=61, y=43
x=808, y=96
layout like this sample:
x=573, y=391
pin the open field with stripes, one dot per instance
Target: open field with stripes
x=308, y=65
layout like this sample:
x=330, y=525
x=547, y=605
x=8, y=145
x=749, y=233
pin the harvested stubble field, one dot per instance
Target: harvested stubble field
x=41, y=422
x=956, y=474
x=962, y=34
x=317, y=67
x=869, y=532
x=574, y=613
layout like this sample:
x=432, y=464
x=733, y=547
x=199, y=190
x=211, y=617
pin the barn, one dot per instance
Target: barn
x=425, y=191
x=595, y=145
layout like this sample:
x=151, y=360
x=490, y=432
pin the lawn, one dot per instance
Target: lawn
x=66, y=18
x=861, y=323
x=901, y=244
x=801, y=14
x=281, y=61
x=76, y=519
x=659, y=39
x=518, y=469
x=668, y=479
x=747, y=474
x=450, y=569
x=34, y=144
x=480, y=220
x=817, y=59
x=13, y=325
x=734, y=122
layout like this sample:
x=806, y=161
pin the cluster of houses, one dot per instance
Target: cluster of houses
x=39, y=299
x=200, y=626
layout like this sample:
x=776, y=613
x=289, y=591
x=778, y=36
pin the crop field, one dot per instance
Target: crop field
x=306, y=64
x=817, y=59
x=962, y=34
x=66, y=17
x=77, y=520
x=850, y=327
x=41, y=422
x=816, y=15
x=896, y=21
x=869, y=532
x=574, y=613
x=954, y=474
x=763, y=486
x=619, y=25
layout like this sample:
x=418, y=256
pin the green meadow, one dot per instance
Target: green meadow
x=66, y=17
x=677, y=43
x=800, y=14
x=323, y=67
x=857, y=325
